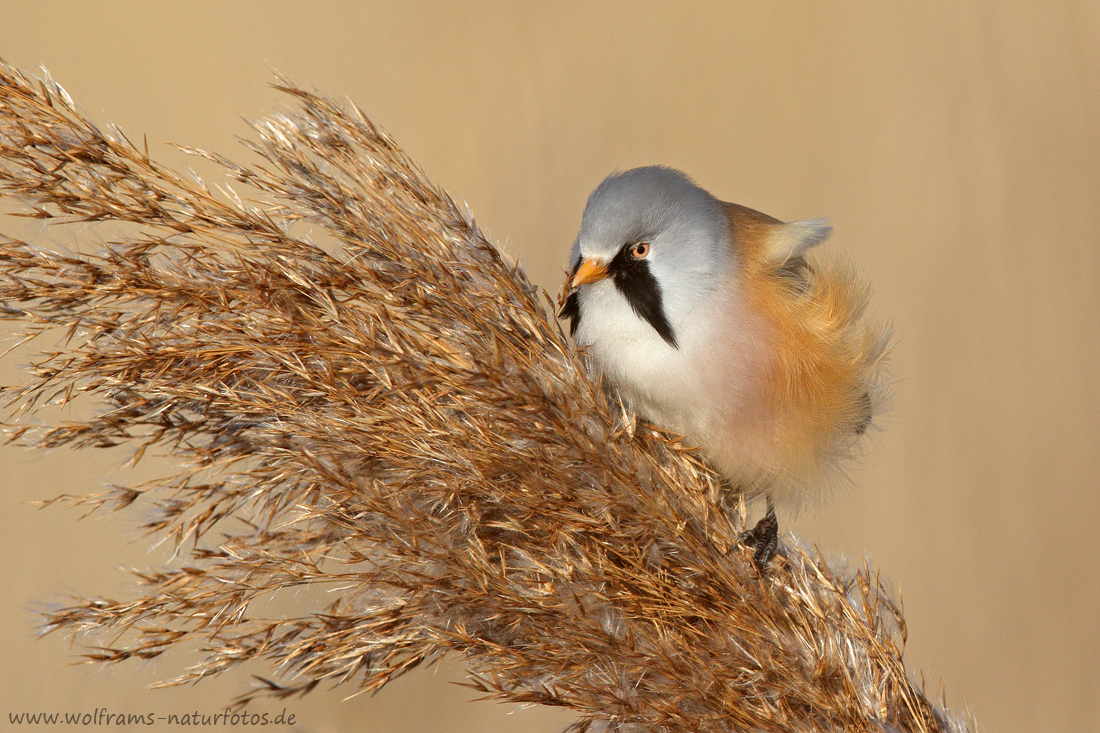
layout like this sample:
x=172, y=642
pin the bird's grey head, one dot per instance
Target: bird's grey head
x=662, y=241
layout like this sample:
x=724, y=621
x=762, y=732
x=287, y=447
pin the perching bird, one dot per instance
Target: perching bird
x=711, y=322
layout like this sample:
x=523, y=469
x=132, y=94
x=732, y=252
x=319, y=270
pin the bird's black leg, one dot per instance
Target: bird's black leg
x=763, y=538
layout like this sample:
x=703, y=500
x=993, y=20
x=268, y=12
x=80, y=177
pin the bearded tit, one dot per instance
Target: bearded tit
x=711, y=321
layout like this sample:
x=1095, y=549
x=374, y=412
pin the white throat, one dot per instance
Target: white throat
x=718, y=352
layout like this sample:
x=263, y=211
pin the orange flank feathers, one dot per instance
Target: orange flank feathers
x=823, y=382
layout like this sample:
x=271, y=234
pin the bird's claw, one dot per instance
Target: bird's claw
x=763, y=539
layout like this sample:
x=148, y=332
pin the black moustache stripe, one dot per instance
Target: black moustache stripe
x=637, y=284
x=572, y=307
x=572, y=311
x=633, y=279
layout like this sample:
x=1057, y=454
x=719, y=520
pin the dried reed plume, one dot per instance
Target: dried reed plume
x=398, y=416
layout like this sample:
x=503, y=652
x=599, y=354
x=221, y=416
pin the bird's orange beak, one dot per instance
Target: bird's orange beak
x=590, y=271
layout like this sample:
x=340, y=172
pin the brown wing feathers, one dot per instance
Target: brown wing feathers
x=822, y=383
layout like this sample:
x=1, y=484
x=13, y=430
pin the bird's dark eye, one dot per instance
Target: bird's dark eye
x=640, y=250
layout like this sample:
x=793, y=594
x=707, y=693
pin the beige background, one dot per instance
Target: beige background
x=955, y=145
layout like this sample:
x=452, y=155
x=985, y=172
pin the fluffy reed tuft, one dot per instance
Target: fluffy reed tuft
x=398, y=417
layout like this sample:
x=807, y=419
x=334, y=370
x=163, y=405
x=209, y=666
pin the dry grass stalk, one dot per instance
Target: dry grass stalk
x=403, y=420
